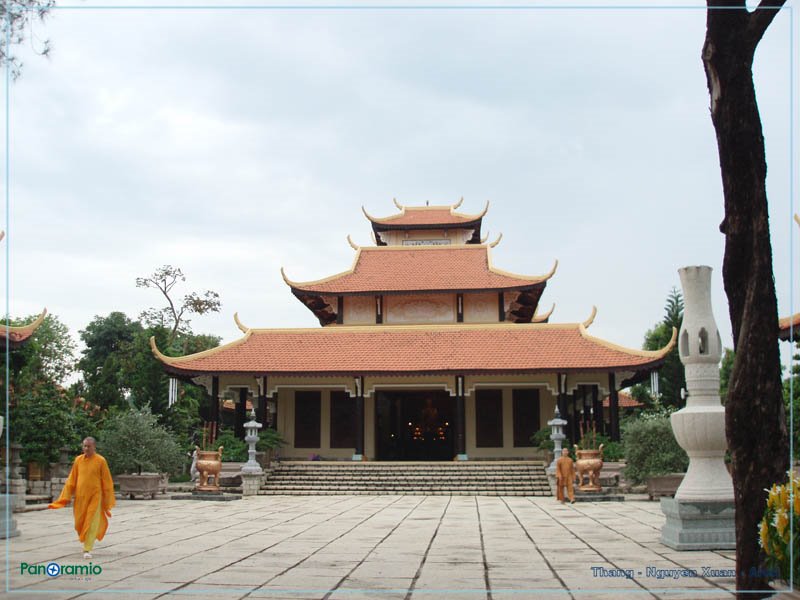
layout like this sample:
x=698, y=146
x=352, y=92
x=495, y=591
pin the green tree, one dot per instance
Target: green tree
x=109, y=343
x=18, y=17
x=174, y=314
x=42, y=421
x=47, y=357
x=671, y=375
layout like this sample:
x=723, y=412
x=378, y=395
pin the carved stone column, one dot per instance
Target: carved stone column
x=701, y=516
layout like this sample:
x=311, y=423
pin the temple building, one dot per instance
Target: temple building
x=426, y=351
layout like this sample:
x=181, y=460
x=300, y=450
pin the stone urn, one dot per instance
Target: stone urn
x=588, y=465
x=209, y=465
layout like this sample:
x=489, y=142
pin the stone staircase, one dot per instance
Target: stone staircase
x=473, y=478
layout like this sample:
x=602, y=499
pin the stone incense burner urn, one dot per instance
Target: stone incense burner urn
x=209, y=465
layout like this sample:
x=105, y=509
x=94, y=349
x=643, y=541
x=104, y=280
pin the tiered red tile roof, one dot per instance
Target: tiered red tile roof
x=19, y=334
x=426, y=216
x=625, y=401
x=789, y=323
x=391, y=349
x=420, y=268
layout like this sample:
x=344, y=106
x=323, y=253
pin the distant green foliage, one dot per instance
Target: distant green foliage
x=612, y=451
x=651, y=449
x=671, y=375
x=725, y=370
x=133, y=441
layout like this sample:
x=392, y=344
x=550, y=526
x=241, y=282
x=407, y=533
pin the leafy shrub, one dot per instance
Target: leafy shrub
x=612, y=451
x=269, y=439
x=235, y=450
x=651, y=449
x=133, y=441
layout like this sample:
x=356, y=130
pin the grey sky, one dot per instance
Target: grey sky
x=234, y=142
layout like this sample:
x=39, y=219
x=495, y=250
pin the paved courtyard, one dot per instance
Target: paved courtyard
x=382, y=547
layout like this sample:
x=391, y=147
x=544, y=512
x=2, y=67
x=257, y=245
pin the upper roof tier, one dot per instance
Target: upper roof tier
x=428, y=217
x=396, y=269
x=459, y=349
x=788, y=327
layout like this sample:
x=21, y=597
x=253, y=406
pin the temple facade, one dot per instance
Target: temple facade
x=426, y=351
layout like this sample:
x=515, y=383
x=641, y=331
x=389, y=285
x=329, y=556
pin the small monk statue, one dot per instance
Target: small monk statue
x=565, y=476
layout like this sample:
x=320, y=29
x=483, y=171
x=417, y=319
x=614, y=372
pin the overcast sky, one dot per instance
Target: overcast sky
x=232, y=142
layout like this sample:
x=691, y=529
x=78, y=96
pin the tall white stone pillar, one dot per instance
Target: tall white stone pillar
x=701, y=514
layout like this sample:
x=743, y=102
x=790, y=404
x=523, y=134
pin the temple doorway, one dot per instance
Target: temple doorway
x=418, y=425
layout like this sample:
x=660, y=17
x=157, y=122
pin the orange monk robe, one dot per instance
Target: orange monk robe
x=91, y=484
x=565, y=476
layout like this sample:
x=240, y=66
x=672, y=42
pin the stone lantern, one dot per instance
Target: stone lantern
x=252, y=473
x=701, y=515
x=557, y=435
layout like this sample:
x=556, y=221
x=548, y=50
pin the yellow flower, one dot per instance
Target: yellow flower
x=781, y=521
x=797, y=502
x=772, y=500
x=784, y=492
x=764, y=536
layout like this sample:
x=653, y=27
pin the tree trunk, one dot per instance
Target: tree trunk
x=759, y=454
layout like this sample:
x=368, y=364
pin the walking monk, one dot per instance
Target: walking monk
x=565, y=476
x=90, y=482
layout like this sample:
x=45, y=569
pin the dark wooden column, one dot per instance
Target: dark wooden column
x=461, y=438
x=215, y=399
x=613, y=407
x=240, y=415
x=460, y=308
x=378, y=310
x=562, y=403
x=359, y=424
x=339, y=310
x=501, y=306
x=597, y=407
x=261, y=409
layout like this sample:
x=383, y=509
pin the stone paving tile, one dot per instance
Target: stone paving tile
x=362, y=546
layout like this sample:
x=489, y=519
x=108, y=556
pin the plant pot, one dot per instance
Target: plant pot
x=589, y=464
x=663, y=485
x=209, y=465
x=143, y=485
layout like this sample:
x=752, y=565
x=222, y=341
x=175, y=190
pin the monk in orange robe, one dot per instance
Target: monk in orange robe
x=90, y=482
x=565, y=476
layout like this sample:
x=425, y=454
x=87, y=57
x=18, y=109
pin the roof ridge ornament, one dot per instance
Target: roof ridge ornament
x=353, y=245
x=537, y=318
x=484, y=239
x=457, y=204
x=590, y=320
x=497, y=241
x=242, y=328
x=397, y=204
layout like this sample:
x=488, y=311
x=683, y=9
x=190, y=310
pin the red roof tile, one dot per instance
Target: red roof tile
x=787, y=323
x=415, y=349
x=625, y=401
x=425, y=268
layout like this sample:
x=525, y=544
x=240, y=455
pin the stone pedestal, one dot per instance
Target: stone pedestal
x=251, y=483
x=698, y=525
x=8, y=524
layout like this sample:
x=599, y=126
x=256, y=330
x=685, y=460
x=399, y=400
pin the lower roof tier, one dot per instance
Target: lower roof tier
x=408, y=349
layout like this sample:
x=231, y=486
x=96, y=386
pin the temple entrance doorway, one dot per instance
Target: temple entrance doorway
x=415, y=425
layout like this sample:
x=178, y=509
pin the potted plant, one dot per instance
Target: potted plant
x=653, y=455
x=138, y=450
